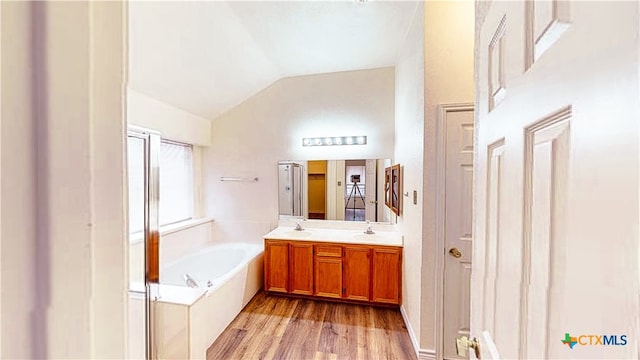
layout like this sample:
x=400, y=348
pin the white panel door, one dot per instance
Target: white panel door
x=458, y=137
x=370, y=190
x=555, y=252
x=332, y=190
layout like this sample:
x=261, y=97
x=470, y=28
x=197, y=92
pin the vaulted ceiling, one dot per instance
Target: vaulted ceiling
x=207, y=57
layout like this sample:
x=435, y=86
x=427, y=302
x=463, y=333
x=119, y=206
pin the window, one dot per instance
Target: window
x=136, y=183
x=176, y=183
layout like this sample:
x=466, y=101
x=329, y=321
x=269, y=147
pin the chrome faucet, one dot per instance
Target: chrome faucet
x=189, y=281
x=369, y=230
x=298, y=227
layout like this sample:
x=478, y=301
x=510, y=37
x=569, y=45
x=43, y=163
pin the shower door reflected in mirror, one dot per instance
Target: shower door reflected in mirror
x=143, y=178
x=290, y=194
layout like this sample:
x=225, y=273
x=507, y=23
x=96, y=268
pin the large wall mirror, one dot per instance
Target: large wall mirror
x=349, y=190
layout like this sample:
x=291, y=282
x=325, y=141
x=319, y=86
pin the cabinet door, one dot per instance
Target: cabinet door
x=276, y=265
x=357, y=273
x=328, y=277
x=387, y=266
x=301, y=268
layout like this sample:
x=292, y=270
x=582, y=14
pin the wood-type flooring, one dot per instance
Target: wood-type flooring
x=278, y=327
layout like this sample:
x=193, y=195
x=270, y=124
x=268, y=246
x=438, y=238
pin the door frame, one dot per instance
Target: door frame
x=441, y=142
x=370, y=193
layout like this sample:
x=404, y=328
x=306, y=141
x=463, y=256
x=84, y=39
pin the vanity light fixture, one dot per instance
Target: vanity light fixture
x=337, y=140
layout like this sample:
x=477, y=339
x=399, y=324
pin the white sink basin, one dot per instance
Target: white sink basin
x=297, y=233
x=369, y=237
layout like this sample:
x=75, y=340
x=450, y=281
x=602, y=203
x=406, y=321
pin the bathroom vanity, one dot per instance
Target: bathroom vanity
x=346, y=265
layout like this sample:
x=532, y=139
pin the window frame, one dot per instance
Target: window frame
x=193, y=215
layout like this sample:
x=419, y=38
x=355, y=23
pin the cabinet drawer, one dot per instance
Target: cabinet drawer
x=329, y=250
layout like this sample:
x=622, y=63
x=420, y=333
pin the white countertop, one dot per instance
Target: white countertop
x=345, y=236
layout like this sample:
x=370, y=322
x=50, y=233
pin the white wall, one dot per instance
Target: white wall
x=249, y=140
x=107, y=163
x=173, y=123
x=63, y=252
x=18, y=204
x=409, y=129
x=449, y=75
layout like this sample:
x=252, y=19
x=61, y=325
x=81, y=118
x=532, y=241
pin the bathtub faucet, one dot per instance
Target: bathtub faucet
x=189, y=281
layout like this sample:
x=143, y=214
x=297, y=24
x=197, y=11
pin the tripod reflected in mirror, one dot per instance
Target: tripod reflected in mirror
x=354, y=196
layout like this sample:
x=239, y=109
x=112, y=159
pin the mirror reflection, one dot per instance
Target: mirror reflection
x=290, y=188
x=349, y=190
x=396, y=195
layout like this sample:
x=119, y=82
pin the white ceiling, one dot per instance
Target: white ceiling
x=207, y=57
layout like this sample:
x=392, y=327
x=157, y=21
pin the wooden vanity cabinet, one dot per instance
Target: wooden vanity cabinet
x=357, y=272
x=276, y=266
x=387, y=275
x=301, y=268
x=328, y=271
x=361, y=273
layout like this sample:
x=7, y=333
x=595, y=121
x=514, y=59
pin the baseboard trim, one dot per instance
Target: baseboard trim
x=427, y=354
x=412, y=335
x=422, y=354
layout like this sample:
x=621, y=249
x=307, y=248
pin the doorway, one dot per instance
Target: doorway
x=317, y=189
x=455, y=237
x=356, y=189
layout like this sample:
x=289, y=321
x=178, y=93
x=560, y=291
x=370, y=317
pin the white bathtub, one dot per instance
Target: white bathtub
x=211, y=266
x=188, y=319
